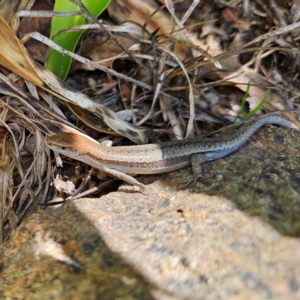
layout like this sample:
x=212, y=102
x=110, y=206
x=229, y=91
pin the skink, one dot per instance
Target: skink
x=157, y=158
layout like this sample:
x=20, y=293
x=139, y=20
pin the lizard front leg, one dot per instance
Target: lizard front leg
x=198, y=159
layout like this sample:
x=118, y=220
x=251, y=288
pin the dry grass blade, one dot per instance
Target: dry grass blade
x=5, y=200
x=26, y=168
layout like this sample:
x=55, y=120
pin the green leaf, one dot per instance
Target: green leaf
x=257, y=108
x=58, y=63
x=243, y=102
x=253, y=111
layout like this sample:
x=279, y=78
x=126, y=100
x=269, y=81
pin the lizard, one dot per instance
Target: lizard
x=123, y=161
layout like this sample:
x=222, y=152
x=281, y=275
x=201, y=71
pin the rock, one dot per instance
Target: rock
x=228, y=239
